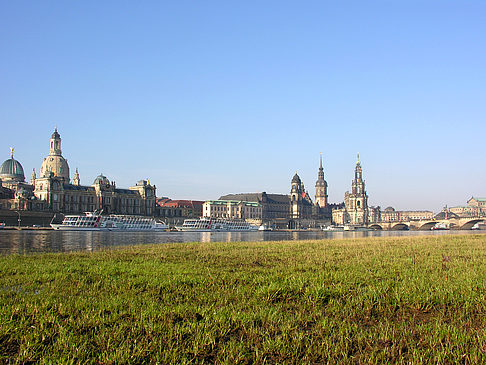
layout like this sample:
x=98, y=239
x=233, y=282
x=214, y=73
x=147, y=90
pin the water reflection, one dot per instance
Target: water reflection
x=22, y=242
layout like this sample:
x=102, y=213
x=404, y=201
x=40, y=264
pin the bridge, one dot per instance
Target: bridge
x=426, y=225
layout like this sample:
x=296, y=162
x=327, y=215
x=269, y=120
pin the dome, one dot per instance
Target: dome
x=296, y=179
x=57, y=165
x=11, y=169
x=101, y=180
x=389, y=209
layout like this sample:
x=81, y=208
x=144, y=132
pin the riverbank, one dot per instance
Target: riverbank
x=410, y=299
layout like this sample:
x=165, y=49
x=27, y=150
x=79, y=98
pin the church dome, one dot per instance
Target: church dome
x=296, y=179
x=101, y=180
x=57, y=165
x=11, y=169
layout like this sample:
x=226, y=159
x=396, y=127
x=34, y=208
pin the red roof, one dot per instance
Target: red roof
x=179, y=203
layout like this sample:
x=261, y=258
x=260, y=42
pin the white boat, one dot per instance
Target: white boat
x=97, y=222
x=333, y=229
x=357, y=228
x=2, y=225
x=440, y=227
x=206, y=224
x=265, y=228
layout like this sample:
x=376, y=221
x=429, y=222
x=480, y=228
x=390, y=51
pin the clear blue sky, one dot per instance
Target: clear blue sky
x=206, y=98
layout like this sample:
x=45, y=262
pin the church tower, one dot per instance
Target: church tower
x=32, y=178
x=54, y=164
x=357, y=201
x=55, y=149
x=76, y=180
x=296, y=197
x=321, y=188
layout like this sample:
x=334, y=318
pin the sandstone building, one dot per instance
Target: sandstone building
x=52, y=191
x=355, y=211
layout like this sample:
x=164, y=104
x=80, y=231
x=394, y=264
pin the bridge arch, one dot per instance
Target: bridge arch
x=376, y=227
x=400, y=227
x=427, y=226
x=471, y=223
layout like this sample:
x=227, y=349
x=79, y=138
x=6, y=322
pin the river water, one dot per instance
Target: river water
x=27, y=241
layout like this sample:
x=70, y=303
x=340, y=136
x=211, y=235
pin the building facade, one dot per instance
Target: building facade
x=173, y=209
x=53, y=191
x=234, y=209
x=355, y=211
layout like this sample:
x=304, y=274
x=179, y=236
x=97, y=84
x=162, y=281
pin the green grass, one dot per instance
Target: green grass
x=383, y=300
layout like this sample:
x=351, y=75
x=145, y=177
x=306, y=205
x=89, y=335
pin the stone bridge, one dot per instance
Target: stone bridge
x=426, y=225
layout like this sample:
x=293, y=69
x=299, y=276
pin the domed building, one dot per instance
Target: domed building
x=11, y=171
x=54, y=163
x=60, y=195
x=15, y=193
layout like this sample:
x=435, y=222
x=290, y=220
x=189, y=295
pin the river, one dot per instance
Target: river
x=30, y=241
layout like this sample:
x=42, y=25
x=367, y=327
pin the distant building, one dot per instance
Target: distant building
x=235, y=209
x=53, y=192
x=274, y=206
x=301, y=206
x=321, y=188
x=355, y=209
x=168, y=208
x=390, y=215
x=476, y=207
x=15, y=193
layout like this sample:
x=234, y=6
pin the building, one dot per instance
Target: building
x=274, y=206
x=169, y=209
x=390, y=215
x=355, y=209
x=476, y=207
x=53, y=191
x=234, y=209
x=321, y=189
x=15, y=193
x=301, y=205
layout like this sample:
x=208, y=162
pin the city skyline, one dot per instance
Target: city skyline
x=207, y=100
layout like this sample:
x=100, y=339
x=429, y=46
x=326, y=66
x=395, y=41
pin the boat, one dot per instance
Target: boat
x=333, y=229
x=206, y=224
x=93, y=221
x=2, y=225
x=440, y=227
x=357, y=228
x=265, y=228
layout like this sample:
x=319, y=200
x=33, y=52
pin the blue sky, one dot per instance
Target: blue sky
x=216, y=97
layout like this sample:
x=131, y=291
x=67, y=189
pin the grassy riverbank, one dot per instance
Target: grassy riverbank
x=414, y=299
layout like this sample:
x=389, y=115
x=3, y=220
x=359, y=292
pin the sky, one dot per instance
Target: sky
x=206, y=98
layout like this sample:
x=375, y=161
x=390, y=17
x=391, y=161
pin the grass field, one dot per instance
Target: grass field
x=381, y=300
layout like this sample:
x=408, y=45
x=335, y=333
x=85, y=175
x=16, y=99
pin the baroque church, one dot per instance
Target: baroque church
x=355, y=210
x=54, y=192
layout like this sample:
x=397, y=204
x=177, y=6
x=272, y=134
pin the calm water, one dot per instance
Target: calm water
x=22, y=242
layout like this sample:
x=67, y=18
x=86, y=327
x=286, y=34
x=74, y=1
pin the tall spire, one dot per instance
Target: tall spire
x=33, y=177
x=321, y=187
x=320, y=174
x=357, y=162
x=76, y=180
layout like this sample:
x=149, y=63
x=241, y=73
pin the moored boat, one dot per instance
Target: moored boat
x=333, y=229
x=96, y=222
x=206, y=224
